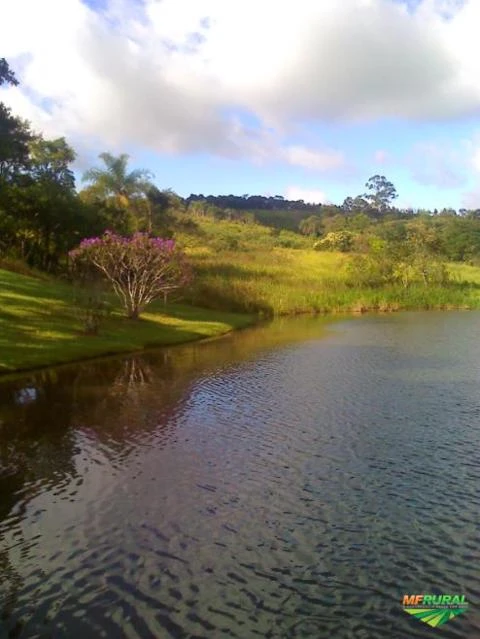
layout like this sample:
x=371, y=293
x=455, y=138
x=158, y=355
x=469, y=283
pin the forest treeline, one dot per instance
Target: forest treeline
x=44, y=213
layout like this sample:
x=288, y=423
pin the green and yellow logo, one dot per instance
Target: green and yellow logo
x=434, y=609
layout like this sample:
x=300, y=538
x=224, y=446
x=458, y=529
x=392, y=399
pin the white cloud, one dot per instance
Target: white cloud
x=100, y=84
x=185, y=75
x=348, y=59
x=313, y=159
x=264, y=146
x=310, y=196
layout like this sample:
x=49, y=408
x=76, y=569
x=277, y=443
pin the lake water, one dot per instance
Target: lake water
x=292, y=480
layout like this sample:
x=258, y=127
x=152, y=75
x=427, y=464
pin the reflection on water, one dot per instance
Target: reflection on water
x=292, y=480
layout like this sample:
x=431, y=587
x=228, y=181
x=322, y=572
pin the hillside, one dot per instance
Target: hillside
x=253, y=268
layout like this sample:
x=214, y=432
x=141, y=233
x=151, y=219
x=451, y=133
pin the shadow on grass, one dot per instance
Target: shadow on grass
x=22, y=290
x=208, y=296
x=27, y=347
x=463, y=284
x=183, y=310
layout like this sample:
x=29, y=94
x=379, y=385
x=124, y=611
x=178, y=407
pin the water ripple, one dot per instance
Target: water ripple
x=299, y=493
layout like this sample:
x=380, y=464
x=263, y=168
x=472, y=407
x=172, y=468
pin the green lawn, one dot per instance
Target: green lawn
x=40, y=325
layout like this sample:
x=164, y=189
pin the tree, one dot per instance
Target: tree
x=114, y=181
x=120, y=195
x=156, y=210
x=311, y=225
x=336, y=241
x=422, y=255
x=382, y=193
x=348, y=204
x=373, y=269
x=14, y=132
x=7, y=76
x=15, y=137
x=414, y=260
x=50, y=162
x=109, y=213
x=47, y=215
x=140, y=269
x=359, y=222
x=51, y=196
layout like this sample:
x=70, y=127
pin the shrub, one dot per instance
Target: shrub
x=140, y=268
x=336, y=241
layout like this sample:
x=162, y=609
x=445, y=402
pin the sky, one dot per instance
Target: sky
x=301, y=98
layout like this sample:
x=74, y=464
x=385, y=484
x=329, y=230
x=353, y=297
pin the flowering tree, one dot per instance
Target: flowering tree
x=140, y=268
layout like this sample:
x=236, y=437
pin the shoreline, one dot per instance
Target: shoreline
x=8, y=375
x=249, y=321
x=42, y=325
x=41, y=321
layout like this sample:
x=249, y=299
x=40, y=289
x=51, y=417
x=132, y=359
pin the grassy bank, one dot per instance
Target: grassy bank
x=40, y=325
x=284, y=281
x=276, y=280
x=267, y=273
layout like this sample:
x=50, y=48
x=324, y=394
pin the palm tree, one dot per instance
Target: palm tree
x=114, y=181
x=312, y=225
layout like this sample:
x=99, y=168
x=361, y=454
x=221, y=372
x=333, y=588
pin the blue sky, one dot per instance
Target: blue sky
x=305, y=99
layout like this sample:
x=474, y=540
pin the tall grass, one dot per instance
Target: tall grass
x=286, y=281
